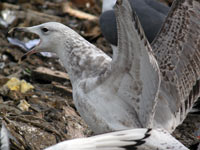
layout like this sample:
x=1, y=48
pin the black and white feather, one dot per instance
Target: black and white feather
x=135, y=139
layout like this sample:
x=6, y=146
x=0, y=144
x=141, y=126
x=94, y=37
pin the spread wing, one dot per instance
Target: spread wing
x=177, y=50
x=140, y=139
x=134, y=71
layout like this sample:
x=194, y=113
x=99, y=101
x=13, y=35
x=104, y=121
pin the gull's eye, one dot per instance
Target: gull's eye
x=45, y=30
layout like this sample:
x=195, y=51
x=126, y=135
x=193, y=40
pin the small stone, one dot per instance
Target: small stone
x=23, y=105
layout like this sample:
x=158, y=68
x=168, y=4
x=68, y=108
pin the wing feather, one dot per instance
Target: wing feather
x=177, y=50
x=134, y=68
x=134, y=139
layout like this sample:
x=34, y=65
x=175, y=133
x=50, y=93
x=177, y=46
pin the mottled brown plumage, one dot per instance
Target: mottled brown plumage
x=177, y=50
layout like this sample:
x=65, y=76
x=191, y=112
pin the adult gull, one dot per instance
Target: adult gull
x=151, y=14
x=142, y=86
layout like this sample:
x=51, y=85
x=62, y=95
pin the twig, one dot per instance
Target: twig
x=77, y=13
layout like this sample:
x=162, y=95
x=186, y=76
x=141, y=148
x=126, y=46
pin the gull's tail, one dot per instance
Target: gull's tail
x=140, y=139
x=4, y=138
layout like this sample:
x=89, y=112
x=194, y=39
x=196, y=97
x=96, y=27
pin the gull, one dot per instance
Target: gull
x=143, y=85
x=154, y=4
x=151, y=14
x=134, y=139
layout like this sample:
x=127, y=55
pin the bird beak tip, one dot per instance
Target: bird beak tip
x=16, y=29
x=28, y=54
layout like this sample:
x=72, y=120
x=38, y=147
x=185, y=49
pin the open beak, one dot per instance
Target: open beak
x=17, y=29
x=23, y=29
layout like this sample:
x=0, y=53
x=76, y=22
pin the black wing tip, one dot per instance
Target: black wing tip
x=139, y=142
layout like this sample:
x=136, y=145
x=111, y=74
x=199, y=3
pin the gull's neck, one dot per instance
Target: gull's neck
x=81, y=59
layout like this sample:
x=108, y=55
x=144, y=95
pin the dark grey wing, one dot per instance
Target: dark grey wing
x=158, y=6
x=108, y=25
x=134, y=71
x=177, y=50
x=151, y=14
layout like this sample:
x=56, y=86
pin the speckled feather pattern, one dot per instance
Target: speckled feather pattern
x=81, y=57
x=177, y=50
x=135, y=60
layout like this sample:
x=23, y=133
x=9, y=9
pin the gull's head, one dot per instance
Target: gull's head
x=49, y=33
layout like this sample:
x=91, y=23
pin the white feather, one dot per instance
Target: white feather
x=140, y=139
x=4, y=138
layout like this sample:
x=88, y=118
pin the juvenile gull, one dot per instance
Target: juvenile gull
x=134, y=139
x=150, y=13
x=128, y=91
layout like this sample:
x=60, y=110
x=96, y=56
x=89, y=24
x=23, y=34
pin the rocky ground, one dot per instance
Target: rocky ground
x=36, y=102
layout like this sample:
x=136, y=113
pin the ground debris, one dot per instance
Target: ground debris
x=15, y=84
x=66, y=8
x=47, y=74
